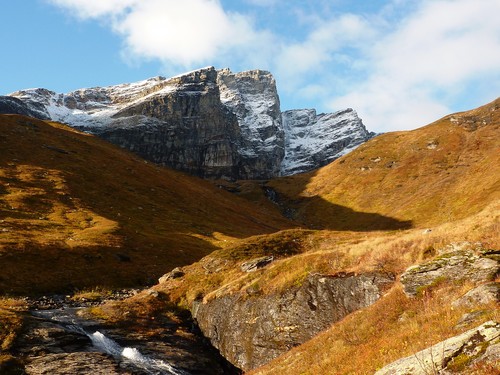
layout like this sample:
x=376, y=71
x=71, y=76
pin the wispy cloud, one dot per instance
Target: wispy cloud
x=183, y=33
x=426, y=62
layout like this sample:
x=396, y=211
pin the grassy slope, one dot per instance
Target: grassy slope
x=429, y=186
x=442, y=172
x=76, y=211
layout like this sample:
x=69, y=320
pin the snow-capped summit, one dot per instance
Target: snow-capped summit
x=214, y=124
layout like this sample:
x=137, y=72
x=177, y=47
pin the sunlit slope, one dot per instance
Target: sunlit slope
x=76, y=211
x=445, y=171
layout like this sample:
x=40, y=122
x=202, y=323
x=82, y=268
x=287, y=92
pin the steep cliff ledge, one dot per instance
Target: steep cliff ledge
x=210, y=123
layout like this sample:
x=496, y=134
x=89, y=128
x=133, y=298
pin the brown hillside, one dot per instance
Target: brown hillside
x=445, y=171
x=76, y=211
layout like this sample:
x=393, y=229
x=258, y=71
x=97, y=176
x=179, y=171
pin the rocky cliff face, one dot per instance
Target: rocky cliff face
x=313, y=140
x=253, y=98
x=11, y=105
x=213, y=124
x=251, y=331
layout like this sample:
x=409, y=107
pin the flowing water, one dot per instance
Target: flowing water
x=70, y=321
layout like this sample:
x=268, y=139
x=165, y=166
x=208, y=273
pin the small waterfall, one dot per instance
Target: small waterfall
x=154, y=366
x=68, y=319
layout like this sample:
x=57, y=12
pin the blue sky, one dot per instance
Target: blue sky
x=399, y=63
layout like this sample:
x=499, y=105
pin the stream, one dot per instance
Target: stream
x=69, y=320
x=58, y=340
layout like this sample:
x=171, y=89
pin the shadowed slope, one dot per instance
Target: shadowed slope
x=442, y=172
x=76, y=211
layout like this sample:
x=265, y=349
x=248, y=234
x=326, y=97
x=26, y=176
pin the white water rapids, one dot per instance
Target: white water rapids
x=107, y=345
x=68, y=319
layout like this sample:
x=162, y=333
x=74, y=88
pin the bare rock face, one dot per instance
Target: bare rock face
x=313, y=140
x=11, y=105
x=481, y=295
x=448, y=356
x=464, y=261
x=251, y=331
x=253, y=98
x=209, y=123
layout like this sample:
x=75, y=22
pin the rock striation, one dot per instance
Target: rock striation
x=480, y=344
x=11, y=105
x=251, y=331
x=313, y=140
x=210, y=123
x=252, y=96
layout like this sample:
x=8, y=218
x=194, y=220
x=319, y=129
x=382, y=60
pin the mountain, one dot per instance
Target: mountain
x=213, y=124
x=73, y=207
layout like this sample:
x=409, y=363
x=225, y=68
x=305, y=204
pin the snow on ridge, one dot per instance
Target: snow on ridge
x=314, y=140
x=286, y=142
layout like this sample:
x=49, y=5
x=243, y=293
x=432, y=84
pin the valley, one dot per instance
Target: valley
x=342, y=269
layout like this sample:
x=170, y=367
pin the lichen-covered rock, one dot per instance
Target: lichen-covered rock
x=481, y=295
x=450, y=354
x=251, y=331
x=466, y=261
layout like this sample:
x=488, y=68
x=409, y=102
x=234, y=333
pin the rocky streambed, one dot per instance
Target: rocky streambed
x=59, y=338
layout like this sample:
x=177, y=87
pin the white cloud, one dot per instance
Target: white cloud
x=425, y=62
x=322, y=47
x=185, y=33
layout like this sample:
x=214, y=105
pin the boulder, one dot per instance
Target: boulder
x=451, y=354
x=255, y=264
x=250, y=329
x=174, y=274
x=481, y=295
x=466, y=261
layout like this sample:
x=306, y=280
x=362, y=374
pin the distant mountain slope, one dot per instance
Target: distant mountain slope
x=441, y=172
x=77, y=211
x=210, y=123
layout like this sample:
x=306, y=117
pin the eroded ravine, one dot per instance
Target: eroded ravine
x=62, y=341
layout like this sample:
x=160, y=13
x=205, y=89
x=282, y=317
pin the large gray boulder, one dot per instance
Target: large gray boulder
x=481, y=295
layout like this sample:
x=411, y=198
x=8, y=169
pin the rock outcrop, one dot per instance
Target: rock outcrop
x=452, y=355
x=251, y=330
x=462, y=261
x=11, y=105
x=252, y=96
x=481, y=295
x=213, y=124
x=313, y=140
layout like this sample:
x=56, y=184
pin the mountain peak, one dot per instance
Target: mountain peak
x=212, y=123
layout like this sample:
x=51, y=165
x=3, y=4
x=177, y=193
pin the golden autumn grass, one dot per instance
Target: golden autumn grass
x=11, y=323
x=438, y=173
x=360, y=213
x=99, y=216
x=76, y=211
